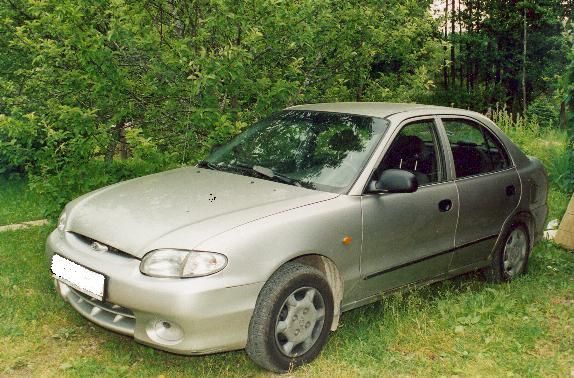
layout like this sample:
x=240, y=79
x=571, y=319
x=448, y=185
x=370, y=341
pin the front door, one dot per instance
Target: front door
x=409, y=237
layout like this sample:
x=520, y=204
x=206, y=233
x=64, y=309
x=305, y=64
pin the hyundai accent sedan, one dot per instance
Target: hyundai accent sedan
x=314, y=211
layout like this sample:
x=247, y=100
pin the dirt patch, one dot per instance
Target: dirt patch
x=19, y=226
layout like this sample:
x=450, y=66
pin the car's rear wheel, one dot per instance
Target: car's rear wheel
x=511, y=257
x=292, y=318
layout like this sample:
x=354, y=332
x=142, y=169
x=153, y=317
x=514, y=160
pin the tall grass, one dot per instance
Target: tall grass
x=550, y=145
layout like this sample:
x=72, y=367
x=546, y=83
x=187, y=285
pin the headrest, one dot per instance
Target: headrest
x=408, y=145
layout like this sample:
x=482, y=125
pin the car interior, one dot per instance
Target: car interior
x=474, y=150
x=413, y=150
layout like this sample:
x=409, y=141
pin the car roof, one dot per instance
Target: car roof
x=375, y=109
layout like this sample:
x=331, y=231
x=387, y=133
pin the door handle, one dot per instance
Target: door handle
x=510, y=190
x=445, y=205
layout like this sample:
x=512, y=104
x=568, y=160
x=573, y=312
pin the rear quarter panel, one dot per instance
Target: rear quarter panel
x=532, y=208
x=535, y=193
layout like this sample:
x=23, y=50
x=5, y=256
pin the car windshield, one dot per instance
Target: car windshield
x=316, y=150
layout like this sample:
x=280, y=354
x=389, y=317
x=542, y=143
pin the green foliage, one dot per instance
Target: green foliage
x=545, y=111
x=491, y=45
x=95, y=92
x=568, y=88
x=17, y=145
x=551, y=146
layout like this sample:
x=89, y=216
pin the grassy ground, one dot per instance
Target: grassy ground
x=18, y=204
x=461, y=327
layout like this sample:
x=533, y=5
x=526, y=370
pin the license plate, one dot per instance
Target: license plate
x=83, y=279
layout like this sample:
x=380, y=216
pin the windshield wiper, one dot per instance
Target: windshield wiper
x=259, y=170
x=210, y=165
x=267, y=173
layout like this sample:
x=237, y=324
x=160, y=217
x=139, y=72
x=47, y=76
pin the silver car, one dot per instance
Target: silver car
x=315, y=211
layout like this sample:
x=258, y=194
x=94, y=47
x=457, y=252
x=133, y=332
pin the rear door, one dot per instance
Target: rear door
x=488, y=187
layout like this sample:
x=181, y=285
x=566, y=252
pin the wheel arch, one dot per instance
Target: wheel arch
x=523, y=218
x=526, y=219
x=326, y=266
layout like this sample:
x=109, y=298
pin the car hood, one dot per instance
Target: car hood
x=180, y=208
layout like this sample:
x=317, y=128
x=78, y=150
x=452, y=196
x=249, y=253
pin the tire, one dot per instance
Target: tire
x=511, y=257
x=288, y=328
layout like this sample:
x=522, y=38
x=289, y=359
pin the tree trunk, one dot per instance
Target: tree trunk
x=476, y=62
x=118, y=136
x=470, y=55
x=461, y=64
x=515, y=106
x=111, y=150
x=444, y=68
x=452, y=52
x=124, y=150
x=524, y=63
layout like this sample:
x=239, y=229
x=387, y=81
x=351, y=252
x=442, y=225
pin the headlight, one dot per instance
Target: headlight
x=62, y=221
x=179, y=263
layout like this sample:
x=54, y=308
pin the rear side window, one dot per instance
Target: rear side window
x=474, y=148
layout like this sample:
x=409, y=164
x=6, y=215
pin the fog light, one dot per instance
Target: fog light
x=164, y=331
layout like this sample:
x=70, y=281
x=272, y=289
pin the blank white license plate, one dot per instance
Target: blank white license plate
x=80, y=278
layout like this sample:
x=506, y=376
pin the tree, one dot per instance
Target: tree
x=568, y=87
x=95, y=92
x=507, y=51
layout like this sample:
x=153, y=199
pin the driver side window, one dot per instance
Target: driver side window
x=416, y=149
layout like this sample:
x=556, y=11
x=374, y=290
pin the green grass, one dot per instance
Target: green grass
x=462, y=327
x=17, y=203
x=459, y=327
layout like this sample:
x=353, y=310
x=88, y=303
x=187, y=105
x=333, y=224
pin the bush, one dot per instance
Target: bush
x=152, y=84
x=544, y=111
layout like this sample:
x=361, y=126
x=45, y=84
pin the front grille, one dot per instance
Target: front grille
x=105, y=314
x=88, y=241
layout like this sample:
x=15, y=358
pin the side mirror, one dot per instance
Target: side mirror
x=394, y=181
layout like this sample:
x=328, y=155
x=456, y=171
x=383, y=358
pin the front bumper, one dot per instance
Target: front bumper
x=211, y=316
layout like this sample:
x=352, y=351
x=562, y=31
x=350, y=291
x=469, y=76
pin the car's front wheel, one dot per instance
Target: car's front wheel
x=292, y=318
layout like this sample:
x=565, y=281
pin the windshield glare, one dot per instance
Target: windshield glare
x=317, y=150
